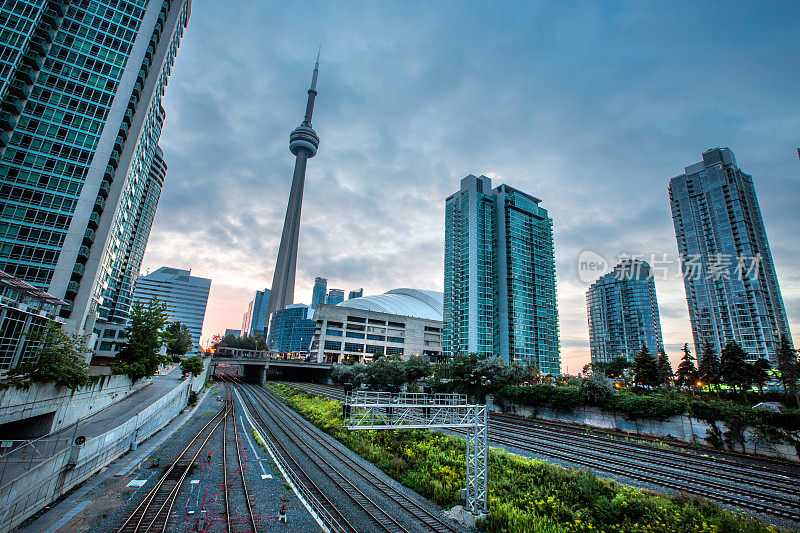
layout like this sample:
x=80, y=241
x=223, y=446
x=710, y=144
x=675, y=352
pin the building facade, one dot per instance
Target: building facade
x=402, y=322
x=623, y=313
x=291, y=329
x=254, y=319
x=335, y=296
x=184, y=295
x=81, y=85
x=235, y=332
x=320, y=292
x=500, y=290
x=730, y=280
x=24, y=310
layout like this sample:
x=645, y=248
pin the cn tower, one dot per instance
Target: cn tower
x=303, y=143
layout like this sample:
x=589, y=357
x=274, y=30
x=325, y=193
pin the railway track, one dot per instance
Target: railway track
x=719, y=479
x=349, y=477
x=152, y=514
x=232, y=524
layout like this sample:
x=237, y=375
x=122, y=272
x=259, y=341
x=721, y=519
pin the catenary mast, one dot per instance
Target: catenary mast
x=303, y=143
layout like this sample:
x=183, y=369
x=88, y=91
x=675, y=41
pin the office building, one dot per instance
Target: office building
x=235, y=332
x=24, y=310
x=303, y=143
x=81, y=85
x=319, y=293
x=357, y=293
x=185, y=296
x=247, y=318
x=402, y=322
x=623, y=313
x=259, y=315
x=335, y=296
x=500, y=290
x=731, y=285
x=291, y=329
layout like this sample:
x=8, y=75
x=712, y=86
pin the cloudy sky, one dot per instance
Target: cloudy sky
x=591, y=107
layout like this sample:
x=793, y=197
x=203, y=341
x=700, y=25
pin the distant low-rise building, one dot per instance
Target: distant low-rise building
x=24, y=309
x=402, y=322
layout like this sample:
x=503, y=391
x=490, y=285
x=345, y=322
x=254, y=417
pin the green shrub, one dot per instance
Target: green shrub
x=634, y=406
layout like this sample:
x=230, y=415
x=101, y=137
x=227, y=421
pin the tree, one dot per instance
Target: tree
x=734, y=368
x=349, y=373
x=385, y=371
x=417, y=367
x=687, y=372
x=180, y=338
x=59, y=358
x=664, y=368
x=140, y=355
x=708, y=368
x=788, y=366
x=760, y=374
x=613, y=369
x=596, y=389
x=645, y=368
x=192, y=365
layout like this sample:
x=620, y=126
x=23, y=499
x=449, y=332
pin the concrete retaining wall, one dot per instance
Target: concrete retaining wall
x=67, y=405
x=48, y=480
x=684, y=428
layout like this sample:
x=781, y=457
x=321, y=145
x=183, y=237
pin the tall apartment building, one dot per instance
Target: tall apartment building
x=335, y=296
x=623, y=313
x=81, y=86
x=185, y=296
x=254, y=320
x=320, y=292
x=291, y=329
x=730, y=280
x=355, y=293
x=500, y=290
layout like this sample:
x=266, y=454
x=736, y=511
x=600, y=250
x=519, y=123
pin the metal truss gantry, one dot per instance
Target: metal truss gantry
x=385, y=410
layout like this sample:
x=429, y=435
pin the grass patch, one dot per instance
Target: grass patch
x=525, y=494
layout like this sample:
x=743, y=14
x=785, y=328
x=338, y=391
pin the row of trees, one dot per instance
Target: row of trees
x=730, y=368
x=255, y=342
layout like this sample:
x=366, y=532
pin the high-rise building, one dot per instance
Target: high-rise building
x=259, y=316
x=81, y=85
x=235, y=332
x=730, y=280
x=357, y=293
x=303, y=143
x=320, y=291
x=334, y=297
x=623, y=313
x=291, y=329
x=184, y=295
x=500, y=290
x=247, y=319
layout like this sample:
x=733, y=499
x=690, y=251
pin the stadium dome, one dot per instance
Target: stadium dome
x=406, y=302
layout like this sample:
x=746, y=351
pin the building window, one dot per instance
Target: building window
x=354, y=335
x=335, y=324
x=431, y=328
x=397, y=324
x=376, y=337
x=333, y=332
x=333, y=345
x=377, y=350
x=397, y=339
x=391, y=350
x=373, y=321
x=356, y=319
x=353, y=347
x=355, y=327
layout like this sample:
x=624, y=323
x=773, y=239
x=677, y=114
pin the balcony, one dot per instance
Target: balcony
x=118, y=143
x=39, y=46
x=33, y=60
x=78, y=270
x=114, y=159
x=47, y=33
x=83, y=253
x=123, y=131
x=137, y=90
x=99, y=204
x=109, y=175
x=4, y=138
x=13, y=105
x=58, y=7
x=88, y=237
x=72, y=287
x=132, y=103
x=7, y=121
x=128, y=118
x=19, y=89
x=148, y=54
x=51, y=18
x=94, y=220
x=105, y=188
x=27, y=75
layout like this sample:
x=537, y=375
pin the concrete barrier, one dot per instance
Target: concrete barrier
x=49, y=479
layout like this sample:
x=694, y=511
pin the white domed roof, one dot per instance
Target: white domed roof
x=406, y=302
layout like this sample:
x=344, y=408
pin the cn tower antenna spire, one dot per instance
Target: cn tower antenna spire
x=303, y=143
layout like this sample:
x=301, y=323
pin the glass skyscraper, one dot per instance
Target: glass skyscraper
x=320, y=291
x=500, y=292
x=291, y=329
x=81, y=87
x=335, y=296
x=731, y=285
x=623, y=313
